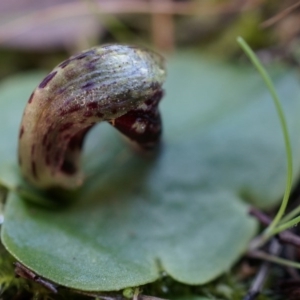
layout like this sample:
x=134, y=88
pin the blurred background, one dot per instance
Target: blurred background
x=41, y=33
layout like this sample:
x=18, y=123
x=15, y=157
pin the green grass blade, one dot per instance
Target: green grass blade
x=270, y=229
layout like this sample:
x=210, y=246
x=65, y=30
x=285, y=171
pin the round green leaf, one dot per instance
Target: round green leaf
x=14, y=94
x=179, y=210
x=127, y=235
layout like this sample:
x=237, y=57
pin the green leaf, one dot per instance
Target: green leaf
x=14, y=94
x=179, y=211
x=126, y=235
